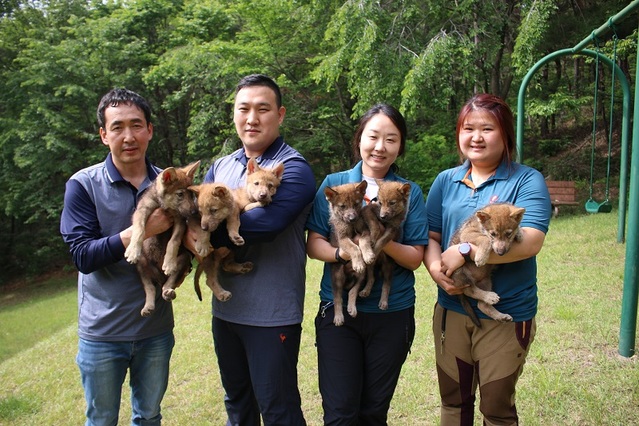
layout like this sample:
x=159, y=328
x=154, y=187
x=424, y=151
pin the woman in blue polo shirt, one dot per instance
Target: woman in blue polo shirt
x=492, y=355
x=360, y=361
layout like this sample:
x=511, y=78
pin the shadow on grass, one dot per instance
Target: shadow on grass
x=32, y=311
x=13, y=408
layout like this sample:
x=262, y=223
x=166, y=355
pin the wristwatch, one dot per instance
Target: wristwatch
x=464, y=250
x=339, y=258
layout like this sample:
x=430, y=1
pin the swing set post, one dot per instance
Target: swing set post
x=628, y=328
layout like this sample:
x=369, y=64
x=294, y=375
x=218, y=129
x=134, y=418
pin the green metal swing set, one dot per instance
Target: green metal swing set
x=628, y=198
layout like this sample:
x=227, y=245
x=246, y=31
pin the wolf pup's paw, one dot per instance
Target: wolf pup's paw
x=246, y=267
x=364, y=293
x=338, y=319
x=223, y=296
x=368, y=256
x=383, y=305
x=133, y=253
x=352, y=311
x=169, y=267
x=237, y=239
x=358, y=265
x=491, y=298
x=203, y=248
x=503, y=318
x=147, y=311
x=168, y=294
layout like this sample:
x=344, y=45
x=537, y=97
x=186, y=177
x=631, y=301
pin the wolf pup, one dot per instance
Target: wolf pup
x=390, y=210
x=492, y=228
x=216, y=204
x=170, y=193
x=345, y=206
x=153, y=254
x=261, y=185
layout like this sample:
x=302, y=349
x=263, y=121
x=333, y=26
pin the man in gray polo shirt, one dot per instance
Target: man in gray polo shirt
x=257, y=332
x=113, y=337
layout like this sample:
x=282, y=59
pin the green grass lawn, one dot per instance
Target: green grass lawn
x=574, y=375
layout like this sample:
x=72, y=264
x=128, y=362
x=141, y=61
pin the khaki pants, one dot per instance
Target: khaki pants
x=491, y=357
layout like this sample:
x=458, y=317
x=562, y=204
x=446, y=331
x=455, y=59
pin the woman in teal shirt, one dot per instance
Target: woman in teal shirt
x=360, y=361
x=492, y=355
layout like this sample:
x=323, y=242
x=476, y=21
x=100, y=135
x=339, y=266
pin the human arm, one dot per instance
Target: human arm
x=318, y=247
x=433, y=263
x=81, y=229
x=530, y=245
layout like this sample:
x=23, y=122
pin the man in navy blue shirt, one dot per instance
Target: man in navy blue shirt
x=96, y=224
x=257, y=332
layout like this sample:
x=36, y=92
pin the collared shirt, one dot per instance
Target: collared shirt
x=414, y=231
x=98, y=205
x=451, y=201
x=272, y=294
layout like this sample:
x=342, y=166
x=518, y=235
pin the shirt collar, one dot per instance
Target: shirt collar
x=270, y=152
x=464, y=170
x=115, y=176
x=356, y=175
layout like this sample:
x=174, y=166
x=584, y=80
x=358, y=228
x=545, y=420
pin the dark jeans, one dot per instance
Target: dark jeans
x=258, y=367
x=360, y=362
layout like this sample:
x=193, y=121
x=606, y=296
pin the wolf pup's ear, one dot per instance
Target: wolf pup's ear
x=329, y=193
x=221, y=191
x=191, y=169
x=361, y=187
x=169, y=174
x=405, y=189
x=518, y=213
x=482, y=216
x=252, y=166
x=279, y=170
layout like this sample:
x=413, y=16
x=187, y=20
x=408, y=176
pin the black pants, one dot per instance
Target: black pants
x=359, y=363
x=258, y=367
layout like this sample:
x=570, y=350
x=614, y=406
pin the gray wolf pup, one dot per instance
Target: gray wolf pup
x=170, y=193
x=261, y=185
x=492, y=228
x=345, y=208
x=390, y=211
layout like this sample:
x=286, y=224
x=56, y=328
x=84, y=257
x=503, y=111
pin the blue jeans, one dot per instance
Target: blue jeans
x=103, y=368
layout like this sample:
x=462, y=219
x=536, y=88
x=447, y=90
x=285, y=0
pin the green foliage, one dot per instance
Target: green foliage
x=425, y=158
x=533, y=29
x=332, y=58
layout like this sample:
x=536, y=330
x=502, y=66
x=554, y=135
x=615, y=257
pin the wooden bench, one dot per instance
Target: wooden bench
x=562, y=193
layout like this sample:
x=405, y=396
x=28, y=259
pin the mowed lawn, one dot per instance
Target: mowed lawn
x=574, y=375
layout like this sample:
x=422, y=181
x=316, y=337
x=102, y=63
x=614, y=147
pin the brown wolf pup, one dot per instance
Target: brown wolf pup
x=492, y=228
x=153, y=255
x=216, y=205
x=170, y=193
x=345, y=207
x=261, y=185
x=390, y=211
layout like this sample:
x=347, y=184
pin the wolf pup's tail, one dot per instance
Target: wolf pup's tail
x=196, y=281
x=467, y=307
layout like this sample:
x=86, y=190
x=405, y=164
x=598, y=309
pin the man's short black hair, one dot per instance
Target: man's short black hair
x=119, y=96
